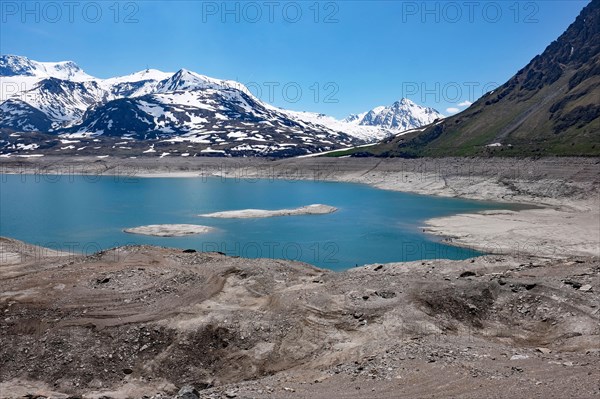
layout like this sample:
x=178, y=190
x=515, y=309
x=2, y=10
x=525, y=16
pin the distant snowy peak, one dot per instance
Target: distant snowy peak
x=145, y=75
x=136, y=84
x=67, y=70
x=354, y=118
x=368, y=134
x=400, y=116
x=187, y=80
x=13, y=65
x=378, y=123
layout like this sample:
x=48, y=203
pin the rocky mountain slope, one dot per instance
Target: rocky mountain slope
x=550, y=107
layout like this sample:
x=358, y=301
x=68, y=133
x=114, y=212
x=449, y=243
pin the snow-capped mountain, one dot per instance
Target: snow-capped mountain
x=150, y=106
x=400, y=116
x=14, y=65
x=367, y=134
x=64, y=101
x=378, y=123
x=135, y=84
x=150, y=109
x=188, y=80
x=224, y=117
x=23, y=117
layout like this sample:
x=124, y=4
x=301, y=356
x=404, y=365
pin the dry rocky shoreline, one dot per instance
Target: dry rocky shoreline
x=161, y=323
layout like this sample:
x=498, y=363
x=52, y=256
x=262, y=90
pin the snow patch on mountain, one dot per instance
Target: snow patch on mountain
x=14, y=65
x=364, y=133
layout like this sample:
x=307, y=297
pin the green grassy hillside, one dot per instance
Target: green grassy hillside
x=550, y=107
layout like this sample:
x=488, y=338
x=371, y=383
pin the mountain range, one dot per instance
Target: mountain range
x=549, y=107
x=45, y=105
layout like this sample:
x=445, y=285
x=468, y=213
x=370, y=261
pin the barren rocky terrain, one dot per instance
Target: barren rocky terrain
x=165, y=323
x=138, y=321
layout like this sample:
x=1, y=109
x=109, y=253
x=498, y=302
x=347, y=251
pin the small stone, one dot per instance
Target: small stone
x=545, y=351
x=188, y=392
x=519, y=357
x=568, y=364
x=573, y=284
x=585, y=288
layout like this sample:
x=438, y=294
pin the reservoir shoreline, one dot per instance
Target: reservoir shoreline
x=566, y=189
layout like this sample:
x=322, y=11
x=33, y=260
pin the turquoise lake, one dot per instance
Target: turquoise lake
x=86, y=214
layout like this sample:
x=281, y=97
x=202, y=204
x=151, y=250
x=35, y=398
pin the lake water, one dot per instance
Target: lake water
x=88, y=213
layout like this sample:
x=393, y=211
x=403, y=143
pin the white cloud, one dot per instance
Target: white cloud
x=452, y=110
x=466, y=103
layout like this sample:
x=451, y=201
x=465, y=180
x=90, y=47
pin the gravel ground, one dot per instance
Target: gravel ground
x=138, y=321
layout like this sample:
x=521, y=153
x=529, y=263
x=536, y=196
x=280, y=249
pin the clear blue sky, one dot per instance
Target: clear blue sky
x=360, y=54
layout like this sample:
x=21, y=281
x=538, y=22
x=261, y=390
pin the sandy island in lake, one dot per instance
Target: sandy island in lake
x=315, y=209
x=169, y=230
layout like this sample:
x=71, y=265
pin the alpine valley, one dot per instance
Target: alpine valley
x=56, y=108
